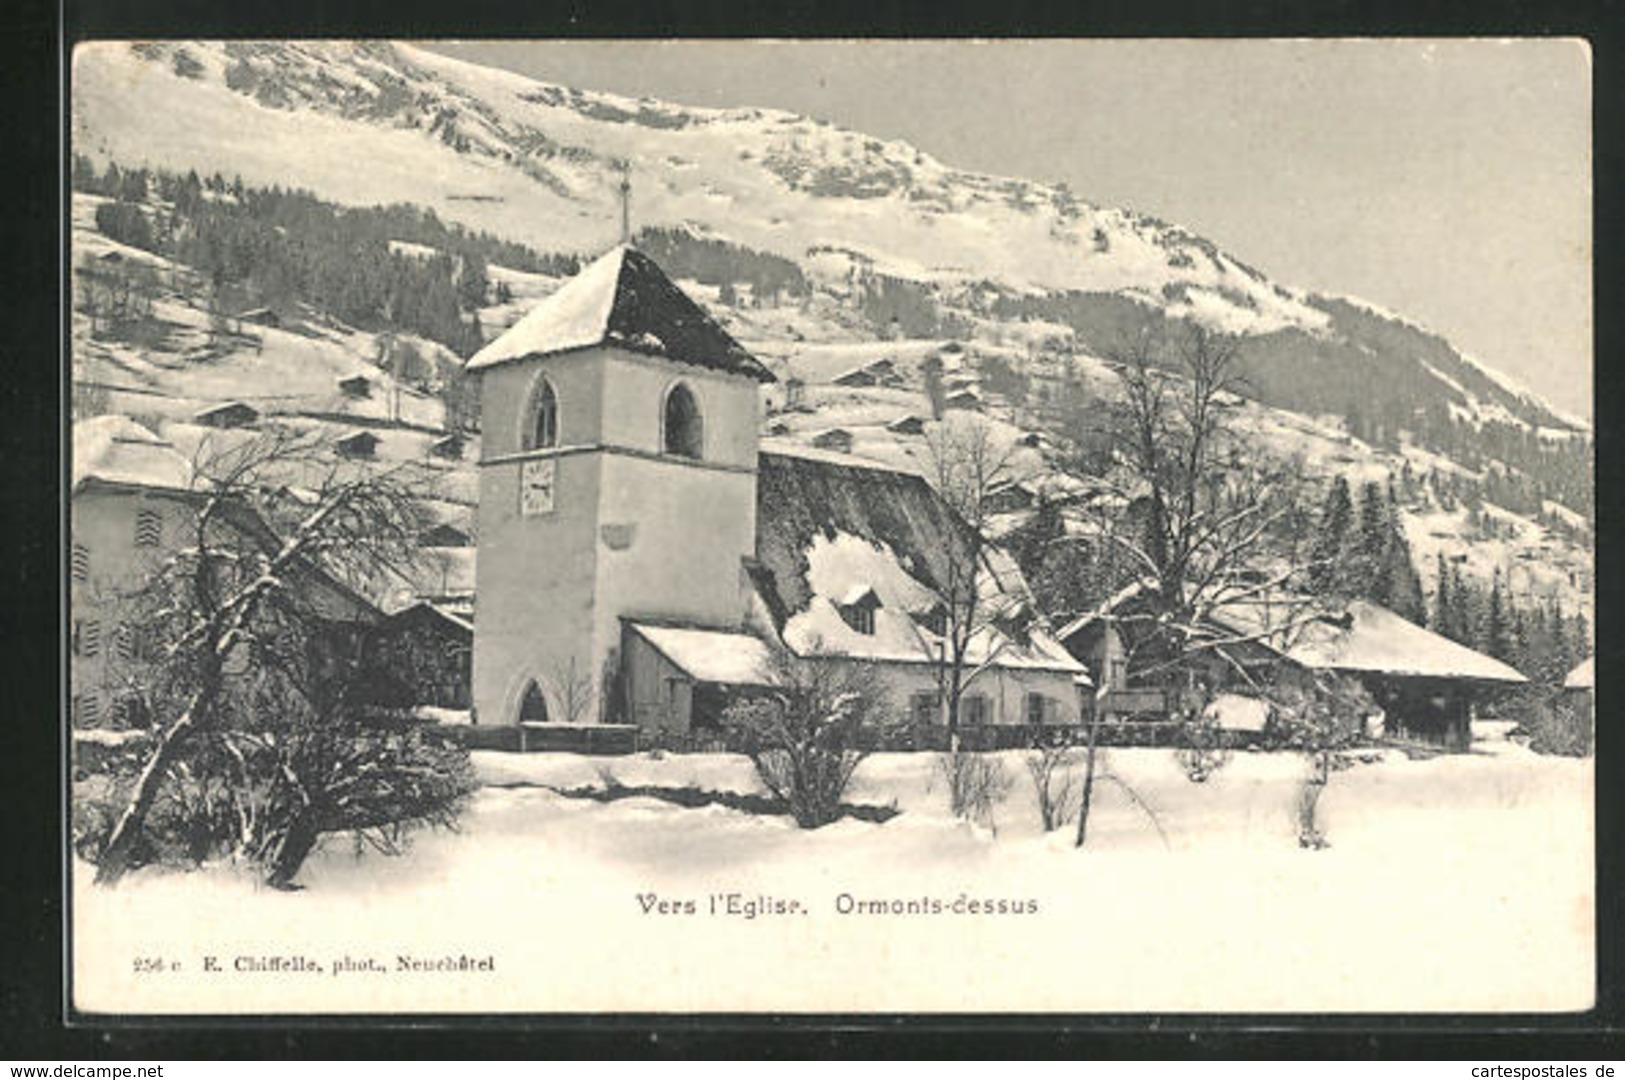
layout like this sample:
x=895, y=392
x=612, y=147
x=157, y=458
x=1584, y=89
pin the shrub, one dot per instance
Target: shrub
x=1556, y=725
x=1202, y=751
x=1052, y=768
x=808, y=734
x=977, y=783
x=1324, y=722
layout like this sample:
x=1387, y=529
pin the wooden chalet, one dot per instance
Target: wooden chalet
x=837, y=439
x=231, y=414
x=357, y=444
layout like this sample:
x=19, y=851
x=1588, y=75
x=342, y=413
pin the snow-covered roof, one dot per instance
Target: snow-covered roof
x=1583, y=677
x=622, y=298
x=828, y=534
x=711, y=656
x=1234, y=712
x=117, y=450
x=1375, y=640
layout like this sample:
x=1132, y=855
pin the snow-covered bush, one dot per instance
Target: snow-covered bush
x=1557, y=725
x=977, y=784
x=808, y=733
x=1201, y=751
x=1324, y=721
x=1053, y=769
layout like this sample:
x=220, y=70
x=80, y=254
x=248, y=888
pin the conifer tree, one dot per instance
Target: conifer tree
x=1495, y=623
x=1441, y=600
x=1327, y=573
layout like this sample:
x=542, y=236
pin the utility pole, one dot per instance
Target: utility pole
x=626, y=203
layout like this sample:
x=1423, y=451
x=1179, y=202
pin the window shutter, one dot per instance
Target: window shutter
x=81, y=562
x=149, y=528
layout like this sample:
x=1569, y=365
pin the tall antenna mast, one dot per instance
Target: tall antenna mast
x=626, y=203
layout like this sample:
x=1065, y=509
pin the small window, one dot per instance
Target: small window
x=88, y=711
x=973, y=709
x=857, y=609
x=149, y=528
x=684, y=428
x=1119, y=673
x=129, y=711
x=1042, y=709
x=935, y=620
x=124, y=642
x=860, y=617
x=924, y=708
x=81, y=562
x=543, y=430
x=87, y=638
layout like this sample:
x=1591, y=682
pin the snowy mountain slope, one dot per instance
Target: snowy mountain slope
x=1025, y=273
x=378, y=122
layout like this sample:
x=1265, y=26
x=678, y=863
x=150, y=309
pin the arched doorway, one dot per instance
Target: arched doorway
x=533, y=706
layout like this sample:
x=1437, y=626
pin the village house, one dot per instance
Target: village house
x=230, y=414
x=634, y=541
x=134, y=504
x=1426, y=685
x=837, y=439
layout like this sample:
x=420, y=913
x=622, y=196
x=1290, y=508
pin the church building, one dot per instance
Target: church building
x=639, y=554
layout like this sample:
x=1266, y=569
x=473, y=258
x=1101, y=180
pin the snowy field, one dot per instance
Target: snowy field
x=1453, y=883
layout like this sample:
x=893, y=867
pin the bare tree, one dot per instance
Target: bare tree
x=809, y=732
x=252, y=660
x=576, y=690
x=966, y=462
x=1189, y=510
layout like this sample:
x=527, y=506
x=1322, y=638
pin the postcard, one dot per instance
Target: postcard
x=1038, y=526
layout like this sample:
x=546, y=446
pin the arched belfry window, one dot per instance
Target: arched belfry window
x=542, y=427
x=533, y=706
x=684, y=427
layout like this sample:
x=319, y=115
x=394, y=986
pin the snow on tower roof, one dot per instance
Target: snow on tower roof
x=117, y=450
x=623, y=299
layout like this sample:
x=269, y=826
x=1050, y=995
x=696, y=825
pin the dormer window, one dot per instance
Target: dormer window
x=683, y=428
x=543, y=430
x=857, y=609
x=935, y=620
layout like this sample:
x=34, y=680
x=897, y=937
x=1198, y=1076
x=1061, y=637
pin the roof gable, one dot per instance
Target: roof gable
x=623, y=299
x=829, y=534
x=117, y=450
x=1368, y=638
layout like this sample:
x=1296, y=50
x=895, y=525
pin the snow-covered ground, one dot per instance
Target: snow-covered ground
x=1454, y=883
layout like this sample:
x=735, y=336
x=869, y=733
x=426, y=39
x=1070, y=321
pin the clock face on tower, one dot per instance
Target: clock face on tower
x=536, y=487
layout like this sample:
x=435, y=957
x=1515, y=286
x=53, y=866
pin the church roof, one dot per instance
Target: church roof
x=623, y=299
x=827, y=533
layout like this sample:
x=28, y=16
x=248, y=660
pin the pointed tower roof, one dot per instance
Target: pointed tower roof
x=623, y=299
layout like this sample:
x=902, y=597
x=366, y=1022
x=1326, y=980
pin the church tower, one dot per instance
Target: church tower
x=617, y=480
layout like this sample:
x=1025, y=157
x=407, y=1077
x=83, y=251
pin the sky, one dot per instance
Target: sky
x=1448, y=180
